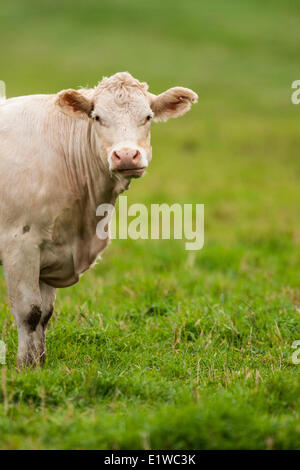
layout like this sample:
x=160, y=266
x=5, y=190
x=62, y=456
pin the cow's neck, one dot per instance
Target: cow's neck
x=89, y=185
x=87, y=177
x=86, y=174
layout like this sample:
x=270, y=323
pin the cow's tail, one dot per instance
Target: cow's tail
x=2, y=92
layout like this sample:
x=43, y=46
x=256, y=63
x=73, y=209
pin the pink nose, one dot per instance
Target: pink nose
x=126, y=159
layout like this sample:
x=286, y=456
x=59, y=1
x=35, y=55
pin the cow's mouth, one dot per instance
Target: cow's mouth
x=135, y=172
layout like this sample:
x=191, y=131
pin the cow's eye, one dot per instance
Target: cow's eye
x=148, y=118
x=98, y=119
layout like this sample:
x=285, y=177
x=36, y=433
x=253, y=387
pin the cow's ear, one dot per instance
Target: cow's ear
x=75, y=103
x=172, y=103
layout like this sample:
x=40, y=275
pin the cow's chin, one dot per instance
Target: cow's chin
x=132, y=172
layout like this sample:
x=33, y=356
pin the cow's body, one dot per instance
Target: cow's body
x=45, y=200
x=56, y=167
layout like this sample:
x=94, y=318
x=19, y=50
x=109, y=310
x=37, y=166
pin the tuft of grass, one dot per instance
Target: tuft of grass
x=155, y=347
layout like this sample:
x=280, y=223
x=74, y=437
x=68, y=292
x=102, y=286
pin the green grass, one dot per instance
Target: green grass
x=157, y=347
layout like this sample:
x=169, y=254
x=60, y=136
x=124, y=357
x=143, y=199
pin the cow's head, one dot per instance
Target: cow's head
x=121, y=110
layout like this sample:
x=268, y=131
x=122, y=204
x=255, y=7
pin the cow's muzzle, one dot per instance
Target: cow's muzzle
x=127, y=161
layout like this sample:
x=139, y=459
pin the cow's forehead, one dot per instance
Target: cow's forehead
x=122, y=93
x=122, y=101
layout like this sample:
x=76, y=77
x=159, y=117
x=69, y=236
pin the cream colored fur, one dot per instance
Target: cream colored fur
x=55, y=169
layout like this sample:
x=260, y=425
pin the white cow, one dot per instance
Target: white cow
x=60, y=157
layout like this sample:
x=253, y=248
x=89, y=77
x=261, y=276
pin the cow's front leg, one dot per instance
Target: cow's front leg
x=48, y=295
x=22, y=270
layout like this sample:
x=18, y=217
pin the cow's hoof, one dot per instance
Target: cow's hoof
x=31, y=360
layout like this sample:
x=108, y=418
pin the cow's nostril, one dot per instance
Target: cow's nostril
x=126, y=157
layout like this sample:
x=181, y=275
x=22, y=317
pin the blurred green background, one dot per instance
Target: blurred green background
x=192, y=350
x=238, y=148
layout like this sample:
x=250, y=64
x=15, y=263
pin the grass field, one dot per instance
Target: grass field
x=157, y=347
